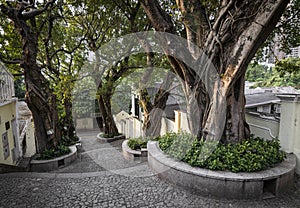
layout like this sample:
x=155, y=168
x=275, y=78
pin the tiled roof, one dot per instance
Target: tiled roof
x=261, y=99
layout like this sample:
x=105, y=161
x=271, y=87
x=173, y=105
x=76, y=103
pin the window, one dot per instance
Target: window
x=5, y=145
x=7, y=125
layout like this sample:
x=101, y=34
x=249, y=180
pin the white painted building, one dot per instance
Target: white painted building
x=270, y=115
x=295, y=52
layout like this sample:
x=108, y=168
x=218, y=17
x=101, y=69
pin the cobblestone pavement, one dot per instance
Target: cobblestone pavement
x=88, y=184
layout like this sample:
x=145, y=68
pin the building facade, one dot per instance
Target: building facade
x=16, y=124
x=9, y=143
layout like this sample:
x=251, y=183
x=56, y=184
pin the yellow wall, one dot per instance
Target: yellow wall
x=7, y=113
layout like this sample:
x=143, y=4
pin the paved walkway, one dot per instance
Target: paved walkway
x=102, y=178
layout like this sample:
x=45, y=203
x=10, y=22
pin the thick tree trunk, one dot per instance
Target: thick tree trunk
x=40, y=98
x=195, y=21
x=67, y=122
x=109, y=127
x=232, y=55
x=109, y=122
x=41, y=102
x=147, y=106
x=237, y=32
x=99, y=121
x=102, y=112
x=152, y=116
x=236, y=127
x=197, y=100
x=153, y=110
x=152, y=123
x=96, y=68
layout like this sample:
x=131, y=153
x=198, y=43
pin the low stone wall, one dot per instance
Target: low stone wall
x=108, y=140
x=223, y=184
x=54, y=164
x=133, y=155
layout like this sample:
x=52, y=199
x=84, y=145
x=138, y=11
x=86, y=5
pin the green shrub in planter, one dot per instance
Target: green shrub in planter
x=176, y=145
x=109, y=135
x=139, y=142
x=253, y=154
x=68, y=141
x=53, y=153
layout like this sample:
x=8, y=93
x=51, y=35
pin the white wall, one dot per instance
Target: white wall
x=84, y=124
x=132, y=127
x=167, y=125
x=184, y=125
x=30, y=140
x=289, y=133
x=265, y=128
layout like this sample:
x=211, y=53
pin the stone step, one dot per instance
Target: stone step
x=24, y=163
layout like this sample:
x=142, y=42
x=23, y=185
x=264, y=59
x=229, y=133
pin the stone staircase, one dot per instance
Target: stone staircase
x=23, y=165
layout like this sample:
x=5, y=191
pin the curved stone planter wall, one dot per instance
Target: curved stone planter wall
x=108, y=140
x=223, y=184
x=54, y=164
x=133, y=155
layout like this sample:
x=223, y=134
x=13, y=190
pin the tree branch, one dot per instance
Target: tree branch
x=159, y=18
x=66, y=51
x=10, y=60
x=33, y=13
x=123, y=70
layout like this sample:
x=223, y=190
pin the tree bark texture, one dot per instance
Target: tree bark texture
x=105, y=92
x=67, y=122
x=39, y=97
x=230, y=41
x=109, y=126
x=153, y=109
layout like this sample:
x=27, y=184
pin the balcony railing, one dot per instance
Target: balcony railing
x=7, y=90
